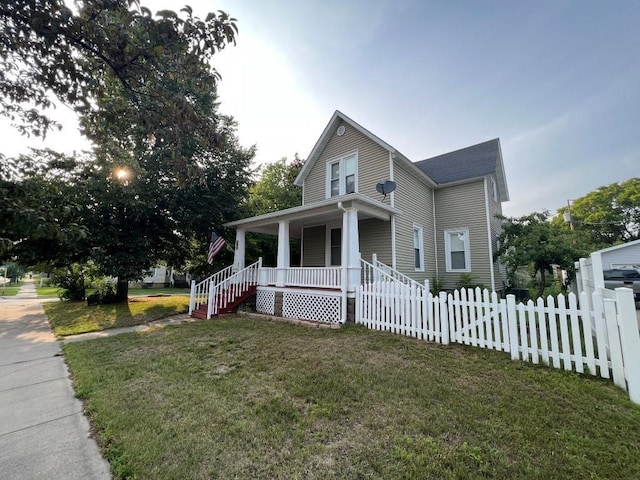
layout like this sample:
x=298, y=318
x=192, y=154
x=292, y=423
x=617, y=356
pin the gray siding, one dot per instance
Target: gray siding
x=375, y=237
x=463, y=206
x=495, y=208
x=313, y=247
x=629, y=255
x=415, y=200
x=373, y=164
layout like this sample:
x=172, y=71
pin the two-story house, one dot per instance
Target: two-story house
x=438, y=223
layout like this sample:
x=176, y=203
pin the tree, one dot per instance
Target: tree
x=79, y=56
x=533, y=241
x=608, y=215
x=274, y=191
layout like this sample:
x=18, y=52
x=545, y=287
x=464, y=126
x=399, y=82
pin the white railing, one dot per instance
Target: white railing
x=200, y=291
x=268, y=276
x=395, y=274
x=559, y=332
x=223, y=293
x=318, y=277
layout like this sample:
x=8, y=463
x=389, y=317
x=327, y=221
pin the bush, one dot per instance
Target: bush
x=105, y=292
x=73, y=280
x=467, y=280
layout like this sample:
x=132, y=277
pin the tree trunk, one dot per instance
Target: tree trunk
x=122, y=290
x=543, y=281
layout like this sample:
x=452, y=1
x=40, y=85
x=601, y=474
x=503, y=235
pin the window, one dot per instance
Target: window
x=457, y=250
x=418, y=256
x=342, y=175
x=493, y=191
x=336, y=247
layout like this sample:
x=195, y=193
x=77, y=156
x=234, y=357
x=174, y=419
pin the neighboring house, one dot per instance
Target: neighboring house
x=589, y=271
x=439, y=222
x=162, y=276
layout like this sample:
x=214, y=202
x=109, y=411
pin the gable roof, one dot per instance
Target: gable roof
x=326, y=135
x=468, y=163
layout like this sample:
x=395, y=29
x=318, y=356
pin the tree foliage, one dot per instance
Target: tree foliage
x=533, y=241
x=145, y=93
x=274, y=191
x=607, y=216
x=79, y=55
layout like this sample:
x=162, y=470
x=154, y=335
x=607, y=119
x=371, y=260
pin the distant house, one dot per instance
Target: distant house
x=162, y=276
x=438, y=223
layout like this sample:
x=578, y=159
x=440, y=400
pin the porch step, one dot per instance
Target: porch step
x=201, y=311
x=231, y=306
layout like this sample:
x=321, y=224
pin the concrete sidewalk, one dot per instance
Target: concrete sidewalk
x=43, y=432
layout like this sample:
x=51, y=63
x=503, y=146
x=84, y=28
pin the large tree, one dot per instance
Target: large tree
x=535, y=242
x=608, y=215
x=145, y=92
x=273, y=191
x=76, y=55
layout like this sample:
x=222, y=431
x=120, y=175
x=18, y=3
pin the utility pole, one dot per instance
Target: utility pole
x=568, y=218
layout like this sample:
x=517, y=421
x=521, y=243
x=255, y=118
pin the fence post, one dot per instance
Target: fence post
x=512, y=320
x=444, y=318
x=192, y=298
x=630, y=339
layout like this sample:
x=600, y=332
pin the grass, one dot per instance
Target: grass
x=70, y=318
x=10, y=290
x=159, y=291
x=239, y=398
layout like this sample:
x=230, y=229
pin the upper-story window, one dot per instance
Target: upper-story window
x=418, y=248
x=493, y=190
x=342, y=175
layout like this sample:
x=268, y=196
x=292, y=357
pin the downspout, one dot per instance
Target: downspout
x=435, y=238
x=393, y=217
x=486, y=206
x=343, y=260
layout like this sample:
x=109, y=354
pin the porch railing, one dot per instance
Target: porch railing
x=200, y=291
x=396, y=275
x=226, y=291
x=316, y=277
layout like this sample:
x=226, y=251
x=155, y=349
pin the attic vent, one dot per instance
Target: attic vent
x=340, y=130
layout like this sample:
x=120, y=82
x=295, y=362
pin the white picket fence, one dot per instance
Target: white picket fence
x=598, y=337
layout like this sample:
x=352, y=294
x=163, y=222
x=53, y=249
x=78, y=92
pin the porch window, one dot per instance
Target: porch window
x=336, y=247
x=342, y=175
x=418, y=249
x=457, y=250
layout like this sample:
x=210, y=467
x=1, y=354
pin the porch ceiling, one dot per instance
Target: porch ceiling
x=317, y=213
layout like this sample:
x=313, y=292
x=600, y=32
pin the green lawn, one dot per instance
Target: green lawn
x=159, y=291
x=10, y=290
x=240, y=398
x=69, y=318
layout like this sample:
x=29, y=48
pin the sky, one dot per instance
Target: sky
x=557, y=81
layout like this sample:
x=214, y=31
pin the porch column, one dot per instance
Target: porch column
x=283, y=253
x=351, y=248
x=239, y=255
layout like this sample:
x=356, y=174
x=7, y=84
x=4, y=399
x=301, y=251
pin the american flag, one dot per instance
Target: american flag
x=216, y=244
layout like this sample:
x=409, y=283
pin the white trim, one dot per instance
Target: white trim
x=435, y=231
x=342, y=182
x=420, y=229
x=489, y=236
x=328, y=132
x=467, y=249
x=393, y=242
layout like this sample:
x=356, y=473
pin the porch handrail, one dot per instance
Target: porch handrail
x=393, y=273
x=226, y=291
x=200, y=291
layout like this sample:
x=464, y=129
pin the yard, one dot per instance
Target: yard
x=70, y=318
x=242, y=398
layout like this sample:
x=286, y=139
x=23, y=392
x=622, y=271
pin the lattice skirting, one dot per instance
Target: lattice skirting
x=266, y=302
x=321, y=308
